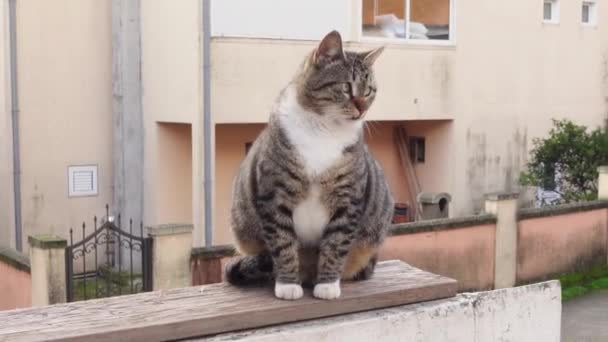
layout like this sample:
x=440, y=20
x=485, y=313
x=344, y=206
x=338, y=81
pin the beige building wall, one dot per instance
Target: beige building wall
x=171, y=72
x=7, y=236
x=478, y=102
x=501, y=84
x=174, y=172
x=65, y=94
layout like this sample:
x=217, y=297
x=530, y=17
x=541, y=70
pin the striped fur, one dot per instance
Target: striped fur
x=310, y=203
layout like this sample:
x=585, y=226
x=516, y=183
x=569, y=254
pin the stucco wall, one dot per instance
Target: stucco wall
x=175, y=173
x=527, y=313
x=171, y=69
x=65, y=94
x=559, y=244
x=500, y=89
x=465, y=254
x=15, y=287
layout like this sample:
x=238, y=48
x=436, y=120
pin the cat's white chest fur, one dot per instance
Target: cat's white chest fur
x=310, y=217
x=320, y=142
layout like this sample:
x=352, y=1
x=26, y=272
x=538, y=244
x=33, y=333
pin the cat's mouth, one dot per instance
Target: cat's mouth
x=357, y=115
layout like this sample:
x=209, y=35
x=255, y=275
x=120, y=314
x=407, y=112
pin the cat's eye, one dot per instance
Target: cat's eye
x=369, y=91
x=346, y=88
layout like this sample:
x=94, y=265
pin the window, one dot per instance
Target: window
x=407, y=19
x=551, y=11
x=417, y=149
x=82, y=180
x=589, y=13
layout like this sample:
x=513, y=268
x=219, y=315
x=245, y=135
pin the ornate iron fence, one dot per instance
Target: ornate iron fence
x=113, y=273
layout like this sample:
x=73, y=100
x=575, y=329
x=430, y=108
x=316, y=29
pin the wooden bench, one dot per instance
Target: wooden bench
x=212, y=309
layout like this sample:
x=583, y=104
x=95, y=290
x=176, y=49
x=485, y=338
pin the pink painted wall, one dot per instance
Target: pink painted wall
x=15, y=288
x=465, y=254
x=559, y=244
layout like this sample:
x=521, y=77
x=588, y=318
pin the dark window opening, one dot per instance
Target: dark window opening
x=417, y=149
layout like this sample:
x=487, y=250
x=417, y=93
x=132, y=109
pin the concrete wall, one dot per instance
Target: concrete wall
x=65, y=94
x=527, y=313
x=15, y=282
x=175, y=173
x=465, y=254
x=171, y=66
x=560, y=244
x=500, y=89
x=15, y=288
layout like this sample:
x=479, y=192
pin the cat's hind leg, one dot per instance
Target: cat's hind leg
x=360, y=263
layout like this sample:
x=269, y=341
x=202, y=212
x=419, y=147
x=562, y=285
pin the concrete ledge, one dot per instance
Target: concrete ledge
x=14, y=258
x=527, y=313
x=170, y=229
x=561, y=209
x=47, y=241
x=441, y=224
x=213, y=252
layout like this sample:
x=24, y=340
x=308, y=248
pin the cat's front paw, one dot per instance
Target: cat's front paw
x=288, y=291
x=327, y=290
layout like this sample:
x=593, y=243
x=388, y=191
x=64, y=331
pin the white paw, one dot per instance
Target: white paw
x=327, y=290
x=288, y=291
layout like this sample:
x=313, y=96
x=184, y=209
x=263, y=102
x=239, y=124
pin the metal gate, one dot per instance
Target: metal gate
x=105, y=262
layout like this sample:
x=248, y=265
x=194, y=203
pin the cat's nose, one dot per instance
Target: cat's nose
x=359, y=103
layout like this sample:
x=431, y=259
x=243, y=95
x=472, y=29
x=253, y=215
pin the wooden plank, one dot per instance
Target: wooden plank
x=211, y=309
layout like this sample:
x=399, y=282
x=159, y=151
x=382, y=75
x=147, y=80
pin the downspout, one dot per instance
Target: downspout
x=207, y=172
x=12, y=8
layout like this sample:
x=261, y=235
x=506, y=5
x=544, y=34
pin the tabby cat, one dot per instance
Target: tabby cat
x=310, y=204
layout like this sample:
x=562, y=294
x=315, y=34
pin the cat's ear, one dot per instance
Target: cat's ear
x=370, y=57
x=330, y=49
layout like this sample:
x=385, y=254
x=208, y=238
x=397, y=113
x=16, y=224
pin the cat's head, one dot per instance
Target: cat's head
x=338, y=83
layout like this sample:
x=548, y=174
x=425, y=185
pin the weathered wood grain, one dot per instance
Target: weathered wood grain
x=211, y=309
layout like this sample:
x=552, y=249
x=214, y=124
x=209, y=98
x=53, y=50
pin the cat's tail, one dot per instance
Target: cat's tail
x=250, y=269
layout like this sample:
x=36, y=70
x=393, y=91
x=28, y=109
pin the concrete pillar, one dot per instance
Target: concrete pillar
x=504, y=206
x=128, y=121
x=47, y=267
x=602, y=183
x=171, y=250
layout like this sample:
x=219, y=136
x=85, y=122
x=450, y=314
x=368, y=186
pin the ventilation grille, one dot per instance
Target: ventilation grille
x=82, y=180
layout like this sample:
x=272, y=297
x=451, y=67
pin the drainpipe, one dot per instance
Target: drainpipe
x=208, y=185
x=12, y=12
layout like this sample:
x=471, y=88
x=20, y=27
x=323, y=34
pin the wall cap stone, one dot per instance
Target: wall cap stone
x=502, y=196
x=602, y=169
x=560, y=209
x=441, y=224
x=170, y=229
x=214, y=252
x=433, y=197
x=47, y=241
x=15, y=259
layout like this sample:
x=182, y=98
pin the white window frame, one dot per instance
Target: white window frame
x=407, y=40
x=554, y=12
x=592, y=13
x=80, y=168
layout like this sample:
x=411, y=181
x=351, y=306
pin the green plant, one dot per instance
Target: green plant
x=567, y=161
x=579, y=283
